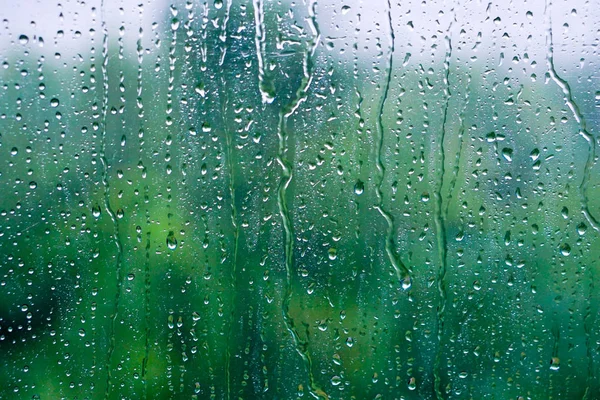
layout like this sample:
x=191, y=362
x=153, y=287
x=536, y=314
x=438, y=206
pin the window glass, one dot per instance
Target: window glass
x=234, y=199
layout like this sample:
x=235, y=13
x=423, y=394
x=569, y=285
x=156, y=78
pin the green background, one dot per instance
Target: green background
x=255, y=200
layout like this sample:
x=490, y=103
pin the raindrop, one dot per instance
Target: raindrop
x=412, y=383
x=96, y=211
x=332, y=253
x=359, y=188
x=565, y=249
x=171, y=241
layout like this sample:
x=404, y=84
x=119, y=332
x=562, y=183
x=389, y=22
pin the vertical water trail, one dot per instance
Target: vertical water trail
x=107, y=206
x=440, y=216
x=286, y=178
x=458, y=157
x=140, y=114
x=568, y=97
x=236, y=229
x=223, y=35
x=259, y=41
x=583, y=187
x=402, y=272
x=230, y=166
x=168, y=143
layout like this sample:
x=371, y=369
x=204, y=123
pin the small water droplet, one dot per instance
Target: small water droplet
x=23, y=39
x=96, y=211
x=406, y=283
x=554, y=363
x=54, y=102
x=412, y=383
x=359, y=187
x=332, y=253
x=171, y=241
x=565, y=249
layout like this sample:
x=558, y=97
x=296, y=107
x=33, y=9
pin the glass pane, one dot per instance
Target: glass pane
x=299, y=199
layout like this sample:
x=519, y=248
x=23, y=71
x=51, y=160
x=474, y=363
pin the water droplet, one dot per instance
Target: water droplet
x=554, y=363
x=565, y=249
x=96, y=211
x=336, y=380
x=23, y=39
x=32, y=185
x=171, y=241
x=332, y=253
x=359, y=187
x=412, y=383
x=54, y=102
x=507, y=153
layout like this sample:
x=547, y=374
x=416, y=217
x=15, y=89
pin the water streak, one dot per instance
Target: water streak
x=259, y=40
x=300, y=345
x=236, y=229
x=441, y=216
x=583, y=187
x=402, y=272
x=107, y=205
x=568, y=97
x=223, y=35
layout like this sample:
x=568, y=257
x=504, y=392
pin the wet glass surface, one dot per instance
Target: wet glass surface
x=280, y=200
